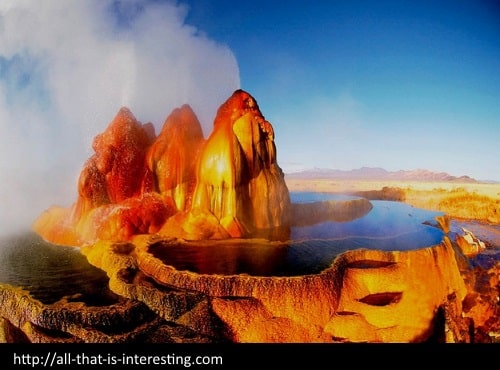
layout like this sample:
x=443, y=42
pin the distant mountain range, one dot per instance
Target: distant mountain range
x=371, y=173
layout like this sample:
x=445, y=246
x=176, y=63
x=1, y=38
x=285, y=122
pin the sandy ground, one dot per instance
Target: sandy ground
x=469, y=201
x=339, y=186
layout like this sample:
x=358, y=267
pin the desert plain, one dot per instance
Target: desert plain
x=478, y=201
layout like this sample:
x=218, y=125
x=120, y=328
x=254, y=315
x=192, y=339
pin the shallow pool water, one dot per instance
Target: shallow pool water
x=388, y=226
x=50, y=272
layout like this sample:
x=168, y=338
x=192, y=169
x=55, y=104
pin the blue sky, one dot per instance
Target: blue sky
x=392, y=84
x=401, y=85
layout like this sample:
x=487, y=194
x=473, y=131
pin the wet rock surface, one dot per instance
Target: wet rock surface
x=70, y=320
x=364, y=296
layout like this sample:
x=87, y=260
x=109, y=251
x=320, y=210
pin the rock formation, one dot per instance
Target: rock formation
x=72, y=320
x=434, y=294
x=240, y=188
x=139, y=192
x=113, y=198
x=248, y=193
x=178, y=184
x=171, y=160
x=366, y=295
x=469, y=243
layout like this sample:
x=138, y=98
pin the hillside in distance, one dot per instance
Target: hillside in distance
x=379, y=174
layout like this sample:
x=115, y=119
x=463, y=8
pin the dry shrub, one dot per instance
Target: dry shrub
x=471, y=205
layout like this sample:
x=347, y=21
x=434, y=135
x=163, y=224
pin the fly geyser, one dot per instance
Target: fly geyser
x=200, y=241
x=177, y=184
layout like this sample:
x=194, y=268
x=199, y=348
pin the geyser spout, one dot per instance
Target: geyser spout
x=238, y=179
x=177, y=184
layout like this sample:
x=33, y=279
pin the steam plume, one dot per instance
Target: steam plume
x=66, y=67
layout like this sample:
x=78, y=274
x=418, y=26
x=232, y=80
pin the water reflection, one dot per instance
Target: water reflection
x=394, y=224
x=387, y=226
x=229, y=257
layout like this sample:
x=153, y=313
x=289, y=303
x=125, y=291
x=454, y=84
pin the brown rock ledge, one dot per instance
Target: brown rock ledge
x=364, y=296
x=434, y=294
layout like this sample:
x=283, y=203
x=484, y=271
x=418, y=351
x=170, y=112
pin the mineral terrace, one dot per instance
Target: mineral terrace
x=141, y=191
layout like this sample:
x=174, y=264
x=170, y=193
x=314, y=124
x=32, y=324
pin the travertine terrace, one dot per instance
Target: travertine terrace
x=139, y=189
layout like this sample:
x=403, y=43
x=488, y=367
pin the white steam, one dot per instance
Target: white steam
x=66, y=68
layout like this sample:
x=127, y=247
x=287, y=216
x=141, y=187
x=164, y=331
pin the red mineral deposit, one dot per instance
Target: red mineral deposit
x=171, y=159
x=178, y=184
x=240, y=188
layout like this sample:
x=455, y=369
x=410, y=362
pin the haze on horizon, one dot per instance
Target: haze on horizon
x=400, y=85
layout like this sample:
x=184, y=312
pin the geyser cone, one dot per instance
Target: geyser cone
x=240, y=188
x=115, y=172
x=171, y=159
x=178, y=184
